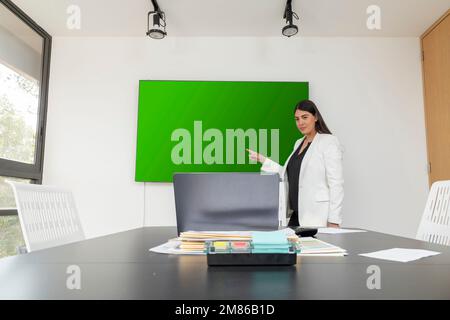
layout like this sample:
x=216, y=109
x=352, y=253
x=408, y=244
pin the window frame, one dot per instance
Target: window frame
x=17, y=169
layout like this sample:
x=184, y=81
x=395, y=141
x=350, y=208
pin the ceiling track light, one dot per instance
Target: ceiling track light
x=290, y=29
x=157, y=18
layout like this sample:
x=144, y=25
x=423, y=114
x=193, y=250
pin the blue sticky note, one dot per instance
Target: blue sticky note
x=269, y=237
x=270, y=250
x=271, y=246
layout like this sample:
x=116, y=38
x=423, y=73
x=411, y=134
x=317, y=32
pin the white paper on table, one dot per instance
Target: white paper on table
x=400, y=254
x=165, y=247
x=171, y=247
x=338, y=230
x=321, y=254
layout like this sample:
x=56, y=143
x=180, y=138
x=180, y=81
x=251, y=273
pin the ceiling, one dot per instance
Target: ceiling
x=231, y=18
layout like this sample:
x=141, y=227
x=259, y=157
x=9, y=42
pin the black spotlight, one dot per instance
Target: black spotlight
x=290, y=29
x=158, y=19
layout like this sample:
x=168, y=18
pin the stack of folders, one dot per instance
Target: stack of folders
x=194, y=241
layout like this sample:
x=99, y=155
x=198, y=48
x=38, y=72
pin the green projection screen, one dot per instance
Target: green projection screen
x=205, y=126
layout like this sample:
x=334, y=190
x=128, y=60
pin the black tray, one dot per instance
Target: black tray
x=251, y=259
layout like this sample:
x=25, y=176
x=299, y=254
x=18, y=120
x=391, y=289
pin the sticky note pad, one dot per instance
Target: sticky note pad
x=221, y=245
x=272, y=246
x=240, y=245
x=270, y=250
x=269, y=237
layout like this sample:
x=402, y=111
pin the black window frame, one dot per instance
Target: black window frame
x=16, y=169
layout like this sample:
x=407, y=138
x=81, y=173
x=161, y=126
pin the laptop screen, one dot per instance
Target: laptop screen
x=226, y=201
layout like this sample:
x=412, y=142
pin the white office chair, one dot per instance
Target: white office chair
x=47, y=215
x=435, y=224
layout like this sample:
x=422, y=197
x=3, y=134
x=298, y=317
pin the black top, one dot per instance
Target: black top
x=293, y=172
x=120, y=266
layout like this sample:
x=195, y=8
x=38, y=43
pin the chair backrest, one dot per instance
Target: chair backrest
x=435, y=224
x=48, y=216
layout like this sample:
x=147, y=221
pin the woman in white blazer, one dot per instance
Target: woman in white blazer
x=313, y=182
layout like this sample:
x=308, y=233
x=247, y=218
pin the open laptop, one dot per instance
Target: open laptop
x=226, y=201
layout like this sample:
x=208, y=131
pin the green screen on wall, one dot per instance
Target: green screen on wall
x=205, y=126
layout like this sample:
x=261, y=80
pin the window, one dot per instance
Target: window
x=19, y=103
x=24, y=71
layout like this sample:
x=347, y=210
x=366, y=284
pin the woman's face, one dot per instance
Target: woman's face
x=305, y=121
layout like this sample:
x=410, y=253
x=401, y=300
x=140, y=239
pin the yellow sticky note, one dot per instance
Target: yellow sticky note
x=221, y=245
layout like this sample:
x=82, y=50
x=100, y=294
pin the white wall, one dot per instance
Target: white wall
x=369, y=91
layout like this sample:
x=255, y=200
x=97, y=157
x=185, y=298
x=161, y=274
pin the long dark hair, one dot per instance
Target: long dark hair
x=309, y=106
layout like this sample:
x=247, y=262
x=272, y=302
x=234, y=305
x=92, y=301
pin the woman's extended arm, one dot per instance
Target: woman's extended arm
x=268, y=165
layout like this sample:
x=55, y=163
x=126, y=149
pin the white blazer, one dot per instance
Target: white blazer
x=321, y=183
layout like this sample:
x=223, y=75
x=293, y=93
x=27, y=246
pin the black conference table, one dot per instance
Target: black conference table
x=120, y=266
